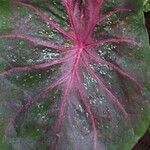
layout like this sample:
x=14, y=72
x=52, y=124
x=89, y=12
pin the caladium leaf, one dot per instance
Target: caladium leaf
x=73, y=75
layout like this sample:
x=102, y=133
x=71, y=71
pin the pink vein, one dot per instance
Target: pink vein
x=68, y=89
x=45, y=18
x=62, y=110
x=69, y=11
x=115, y=40
x=104, y=87
x=87, y=106
x=32, y=100
x=109, y=14
x=35, y=41
x=97, y=58
x=29, y=68
x=63, y=104
x=94, y=20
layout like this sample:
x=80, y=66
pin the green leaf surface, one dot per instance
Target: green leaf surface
x=146, y=5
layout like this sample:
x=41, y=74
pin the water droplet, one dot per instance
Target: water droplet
x=38, y=130
x=31, y=77
x=80, y=108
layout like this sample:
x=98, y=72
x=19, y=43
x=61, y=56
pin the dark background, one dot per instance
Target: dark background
x=144, y=142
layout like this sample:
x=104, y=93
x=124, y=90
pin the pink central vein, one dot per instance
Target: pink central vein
x=69, y=86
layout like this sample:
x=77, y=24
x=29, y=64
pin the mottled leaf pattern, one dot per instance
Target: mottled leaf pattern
x=73, y=74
